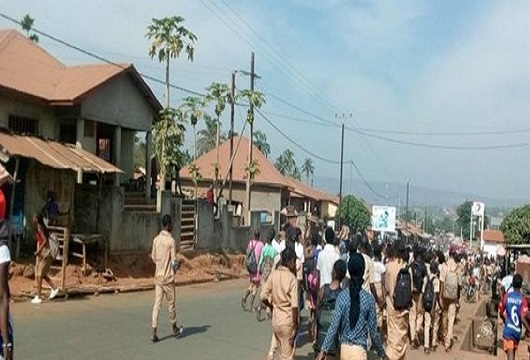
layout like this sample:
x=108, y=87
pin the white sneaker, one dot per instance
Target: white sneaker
x=36, y=300
x=53, y=294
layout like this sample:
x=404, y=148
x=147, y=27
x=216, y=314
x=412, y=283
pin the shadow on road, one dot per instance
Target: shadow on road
x=188, y=331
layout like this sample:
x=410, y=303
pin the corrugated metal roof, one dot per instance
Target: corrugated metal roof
x=54, y=154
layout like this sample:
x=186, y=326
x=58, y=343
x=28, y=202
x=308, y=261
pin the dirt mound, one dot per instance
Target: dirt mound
x=132, y=270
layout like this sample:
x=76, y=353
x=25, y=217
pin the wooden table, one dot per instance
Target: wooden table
x=84, y=240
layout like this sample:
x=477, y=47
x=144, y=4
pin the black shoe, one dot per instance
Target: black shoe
x=154, y=338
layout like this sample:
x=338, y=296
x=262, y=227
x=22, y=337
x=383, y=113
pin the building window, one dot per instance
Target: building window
x=23, y=125
x=104, y=149
x=89, y=128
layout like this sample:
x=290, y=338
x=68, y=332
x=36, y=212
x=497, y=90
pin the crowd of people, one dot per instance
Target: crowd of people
x=365, y=294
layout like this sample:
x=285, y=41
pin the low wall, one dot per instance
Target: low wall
x=127, y=231
x=221, y=233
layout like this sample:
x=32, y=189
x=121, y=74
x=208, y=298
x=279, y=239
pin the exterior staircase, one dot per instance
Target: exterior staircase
x=137, y=202
x=187, y=230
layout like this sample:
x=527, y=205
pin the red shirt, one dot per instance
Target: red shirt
x=2, y=205
x=209, y=196
x=40, y=237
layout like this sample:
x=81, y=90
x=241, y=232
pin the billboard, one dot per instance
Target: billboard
x=477, y=209
x=384, y=218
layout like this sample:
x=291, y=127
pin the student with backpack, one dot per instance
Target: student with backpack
x=327, y=297
x=450, y=295
x=354, y=318
x=419, y=276
x=253, y=253
x=431, y=308
x=398, y=287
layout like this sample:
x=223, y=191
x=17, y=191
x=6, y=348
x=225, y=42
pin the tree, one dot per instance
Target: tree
x=463, y=213
x=220, y=94
x=260, y=141
x=193, y=110
x=169, y=132
x=139, y=153
x=187, y=158
x=308, y=169
x=207, y=137
x=353, y=212
x=286, y=164
x=168, y=39
x=516, y=226
x=27, y=25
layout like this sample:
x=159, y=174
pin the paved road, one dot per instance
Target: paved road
x=118, y=327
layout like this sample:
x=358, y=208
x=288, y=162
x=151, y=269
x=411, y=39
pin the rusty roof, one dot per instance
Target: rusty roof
x=53, y=154
x=495, y=236
x=268, y=174
x=27, y=68
x=304, y=190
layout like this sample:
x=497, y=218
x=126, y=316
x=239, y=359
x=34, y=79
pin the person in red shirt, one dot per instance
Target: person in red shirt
x=210, y=197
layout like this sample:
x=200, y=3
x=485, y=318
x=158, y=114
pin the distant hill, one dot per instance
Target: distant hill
x=419, y=196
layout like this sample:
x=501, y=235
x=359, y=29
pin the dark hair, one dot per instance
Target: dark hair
x=434, y=268
x=356, y=267
x=517, y=281
x=441, y=257
x=329, y=235
x=256, y=234
x=270, y=235
x=339, y=270
x=315, y=238
x=288, y=254
x=166, y=221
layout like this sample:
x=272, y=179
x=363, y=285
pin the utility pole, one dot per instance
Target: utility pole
x=251, y=109
x=232, y=110
x=341, y=165
x=407, y=206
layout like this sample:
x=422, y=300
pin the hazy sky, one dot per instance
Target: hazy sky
x=428, y=67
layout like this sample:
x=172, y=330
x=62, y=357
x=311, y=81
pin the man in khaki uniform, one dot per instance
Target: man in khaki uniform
x=280, y=294
x=449, y=305
x=397, y=320
x=163, y=255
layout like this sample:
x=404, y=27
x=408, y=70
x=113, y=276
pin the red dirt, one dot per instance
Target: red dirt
x=131, y=271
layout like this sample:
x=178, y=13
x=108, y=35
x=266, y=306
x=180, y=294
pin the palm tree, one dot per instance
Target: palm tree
x=27, y=25
x=207, y=138
x=308, y=169
x=255, y=99
x=221, y=95
x=169, y=38
x=193, y=110
x=260, y=141
x=286, y=164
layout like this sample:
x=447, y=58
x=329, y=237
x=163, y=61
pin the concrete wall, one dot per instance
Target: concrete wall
x=221, y=233
x=127, y=231
x=127, y=154
x=120, y=102
x=44, y=114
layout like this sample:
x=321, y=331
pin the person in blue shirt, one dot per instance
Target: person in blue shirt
x=513, y=310
x=354, y=316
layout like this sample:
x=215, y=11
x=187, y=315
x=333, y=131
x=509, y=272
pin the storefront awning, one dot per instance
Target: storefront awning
x=53, y=154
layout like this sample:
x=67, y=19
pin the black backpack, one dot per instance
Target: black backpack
x=402, y=291
x=428, y=296
x=419, y=271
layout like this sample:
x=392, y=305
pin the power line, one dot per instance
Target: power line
x=100, y=58
x=370, y=187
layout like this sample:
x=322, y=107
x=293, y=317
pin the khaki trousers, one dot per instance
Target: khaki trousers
x=379, y=310
x=449, y=316
x=352, y=352
x=283, y=336
x=167, y=291
x=415, y=316
x=432, y=321
x=397, y=323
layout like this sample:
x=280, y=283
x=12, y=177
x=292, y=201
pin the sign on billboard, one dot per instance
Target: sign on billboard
x=384, y=218
x=477, y=209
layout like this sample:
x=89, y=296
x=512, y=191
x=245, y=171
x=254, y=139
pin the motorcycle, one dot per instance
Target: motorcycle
x=471, y=290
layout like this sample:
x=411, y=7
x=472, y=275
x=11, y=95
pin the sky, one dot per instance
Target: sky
x=431, y=92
